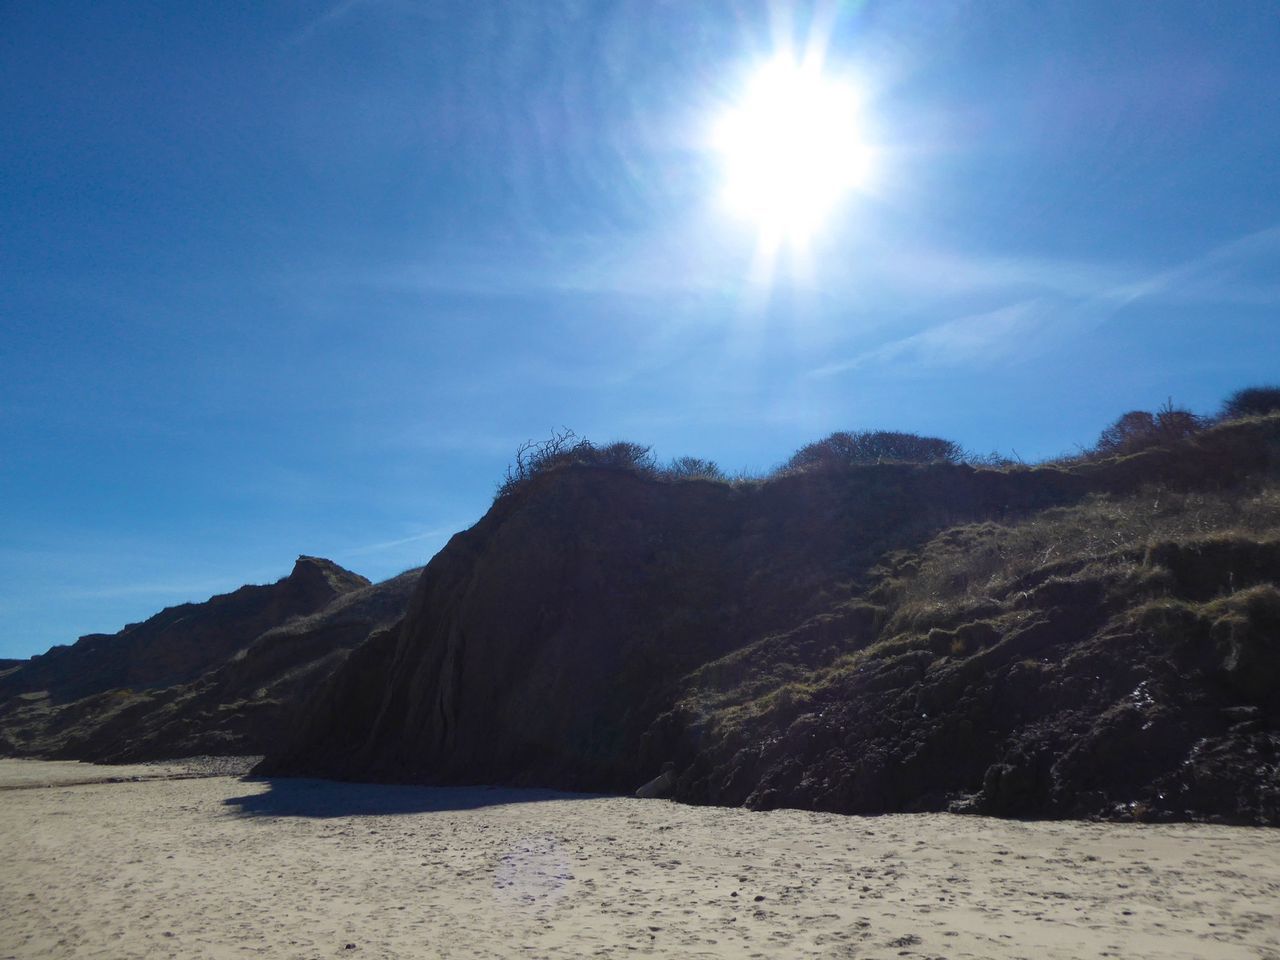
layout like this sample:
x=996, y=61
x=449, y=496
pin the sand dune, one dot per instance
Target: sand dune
x=220, y=867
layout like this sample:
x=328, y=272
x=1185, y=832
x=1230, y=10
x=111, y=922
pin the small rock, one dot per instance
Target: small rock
x=659, y=786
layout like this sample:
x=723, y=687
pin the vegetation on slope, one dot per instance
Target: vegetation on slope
x=1119, y=656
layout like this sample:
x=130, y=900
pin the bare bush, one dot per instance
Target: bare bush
x=536, y=456
x=993, y=460
x=693, y=468
x=1140, y=429
x=874, y=446
x=622, y=455
x=1251, y=402
x=1132, y=431
x=564, y=447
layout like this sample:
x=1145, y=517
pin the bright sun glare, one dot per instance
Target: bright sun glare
x=791, y=148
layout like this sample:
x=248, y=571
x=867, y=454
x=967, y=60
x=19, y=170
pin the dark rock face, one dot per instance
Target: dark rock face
x=180, y=643
x=1113, y=711
x=544, y=641
x=248, y=704
x=781, y=644
x=216, y=677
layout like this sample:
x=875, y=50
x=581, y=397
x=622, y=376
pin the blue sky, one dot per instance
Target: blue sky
x=298, y=277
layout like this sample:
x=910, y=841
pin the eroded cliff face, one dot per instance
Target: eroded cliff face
x=542, y=643
x=221, y=676
x=180, y=643
x=770, y=640
x=526, y=635
x=247, y=704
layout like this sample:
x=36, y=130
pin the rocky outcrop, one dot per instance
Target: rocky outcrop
x=179, y=643
x=248, y=704
x=796, y=642
x=221, y=676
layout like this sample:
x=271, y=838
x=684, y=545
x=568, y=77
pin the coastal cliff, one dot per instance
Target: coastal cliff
x=218, y=677
x=1096, y=638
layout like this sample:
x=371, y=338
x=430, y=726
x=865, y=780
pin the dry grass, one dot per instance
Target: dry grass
x=972, y=564
x=979, y=576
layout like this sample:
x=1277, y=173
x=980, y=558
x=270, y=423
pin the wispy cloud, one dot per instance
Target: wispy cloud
x=1222, y=274
x=995, y=335
x=1076, y=299
x=384, y=546
x=683, y=261
x=942, y=272
x=331, y=16
x=679, y=258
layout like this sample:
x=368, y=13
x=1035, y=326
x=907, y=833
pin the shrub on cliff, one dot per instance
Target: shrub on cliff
x=538, y=456
x=873, y=446
x=693, y=468
x=621, y=455
x=1140, y=429
x=1251, y=402
x=564, y=447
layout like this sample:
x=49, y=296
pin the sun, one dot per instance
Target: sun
x=791, y=149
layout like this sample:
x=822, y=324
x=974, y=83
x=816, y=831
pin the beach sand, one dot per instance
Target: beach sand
x=215, y=866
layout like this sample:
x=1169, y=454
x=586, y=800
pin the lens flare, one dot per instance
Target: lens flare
x=792, y=149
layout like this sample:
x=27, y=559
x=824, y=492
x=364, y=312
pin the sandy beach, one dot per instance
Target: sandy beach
x=216, y=866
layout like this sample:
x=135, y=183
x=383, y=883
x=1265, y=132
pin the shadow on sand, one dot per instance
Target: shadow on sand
x=297, y=797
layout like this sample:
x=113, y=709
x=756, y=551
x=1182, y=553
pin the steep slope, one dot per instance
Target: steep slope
x=202, y=677
x=597, y=624
x=1103, y=682
x=544, y=640
x=179, y=643
x=246, y=705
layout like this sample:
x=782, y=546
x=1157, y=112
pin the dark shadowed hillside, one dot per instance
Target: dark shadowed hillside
x=1095, y=638
x=216, y=677
x=182, y=642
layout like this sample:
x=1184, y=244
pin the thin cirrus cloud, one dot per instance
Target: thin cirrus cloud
x=996, y=335
x=385, y=546
x=331, y=16
x=681, y=260
x=1077, y=298
x=1239, y=272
